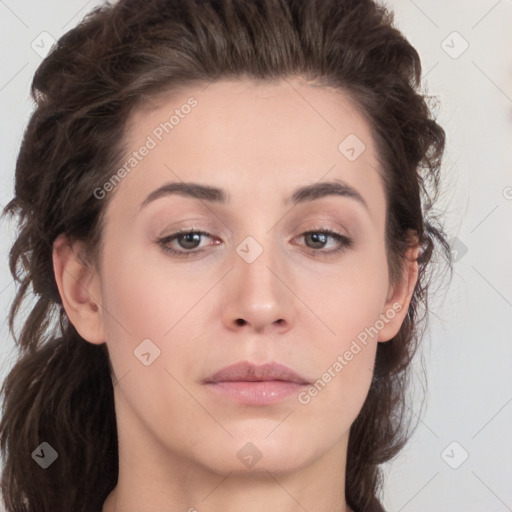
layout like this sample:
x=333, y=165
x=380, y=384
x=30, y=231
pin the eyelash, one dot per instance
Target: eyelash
x=345, y=242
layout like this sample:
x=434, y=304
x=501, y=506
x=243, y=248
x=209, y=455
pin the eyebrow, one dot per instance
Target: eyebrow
x=218, y=195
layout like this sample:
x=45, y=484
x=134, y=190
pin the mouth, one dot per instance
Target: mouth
x=248, y=372
x=250, y=384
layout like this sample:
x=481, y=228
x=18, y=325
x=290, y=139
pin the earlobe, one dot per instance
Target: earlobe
x=78, y=285
x=399, y=298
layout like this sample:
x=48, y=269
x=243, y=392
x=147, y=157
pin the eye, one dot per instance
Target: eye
x=319, y=237
x=190, y=239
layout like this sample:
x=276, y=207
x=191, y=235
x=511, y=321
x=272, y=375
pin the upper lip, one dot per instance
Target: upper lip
x=246, y=371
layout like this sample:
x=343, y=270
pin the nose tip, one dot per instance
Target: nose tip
x=257, y=312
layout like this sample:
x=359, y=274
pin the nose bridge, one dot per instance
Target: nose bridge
x=256, y=293
x=258, y=246
x=257, y=262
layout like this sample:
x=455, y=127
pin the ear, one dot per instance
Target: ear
x=79, y=289
x=399, y=296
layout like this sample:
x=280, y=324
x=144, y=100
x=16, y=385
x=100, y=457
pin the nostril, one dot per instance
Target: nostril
x=240, y=321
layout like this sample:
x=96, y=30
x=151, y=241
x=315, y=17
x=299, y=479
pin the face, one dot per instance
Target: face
x=270, y=276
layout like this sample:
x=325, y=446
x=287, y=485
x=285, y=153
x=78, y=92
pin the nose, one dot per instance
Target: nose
x=258, y=296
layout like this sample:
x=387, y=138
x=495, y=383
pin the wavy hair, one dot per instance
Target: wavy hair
x=60, y=389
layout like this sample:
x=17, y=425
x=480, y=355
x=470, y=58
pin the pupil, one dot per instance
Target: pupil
x=189, y=238
x=318, y=238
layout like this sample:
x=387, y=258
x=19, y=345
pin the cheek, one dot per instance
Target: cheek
x=147, y=315
x=349, y=297
x=147, y=297
x=344, y=362
x=348, y=303
x=150, y=301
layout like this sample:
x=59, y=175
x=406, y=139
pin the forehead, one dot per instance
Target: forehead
x=251, y=137
x=249, y=114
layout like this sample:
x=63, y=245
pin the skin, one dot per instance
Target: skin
x=178, y=441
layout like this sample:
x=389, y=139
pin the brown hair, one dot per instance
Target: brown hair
x=60, y=390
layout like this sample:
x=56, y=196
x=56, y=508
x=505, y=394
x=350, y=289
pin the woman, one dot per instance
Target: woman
x=224, y=212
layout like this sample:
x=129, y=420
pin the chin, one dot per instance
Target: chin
x=260, y=455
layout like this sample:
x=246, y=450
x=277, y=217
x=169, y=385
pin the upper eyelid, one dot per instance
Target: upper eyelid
x=208, y=230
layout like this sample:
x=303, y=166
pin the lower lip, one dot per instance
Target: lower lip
x=257, y=392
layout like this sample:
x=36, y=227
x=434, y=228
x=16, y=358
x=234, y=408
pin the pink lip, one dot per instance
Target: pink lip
x=256, y=385
x=248, y=372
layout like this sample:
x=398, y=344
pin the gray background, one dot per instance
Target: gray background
x=467, y=350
